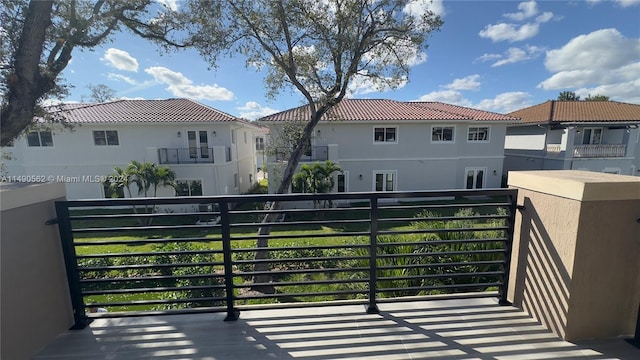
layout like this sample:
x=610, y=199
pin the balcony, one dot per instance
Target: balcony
x=186, y=156
x=390, y=275
x=599, y=151
x=313, y=153
x=590, y=151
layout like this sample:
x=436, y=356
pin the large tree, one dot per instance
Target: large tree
x=39, y=37
x=319, y=48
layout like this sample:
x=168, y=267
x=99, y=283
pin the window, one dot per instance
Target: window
x=259, y=144
x=475, y=178
x=233, y=136
x=110, y=192
x=105, y=138
x=384, y=135
x=198, y=144
x=442, y=133
x=244, y=133
x=478, y=134
x=385, y=181
x=236, y=181
x=591, y=136
x=40, y=138
x=189, y=188
x=342, y=182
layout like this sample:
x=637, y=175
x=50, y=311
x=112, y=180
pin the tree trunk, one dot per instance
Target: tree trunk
x=260, y=281
x=26, y=85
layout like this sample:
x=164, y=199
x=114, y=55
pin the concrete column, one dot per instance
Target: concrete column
x=576, y=254
x=35, y=300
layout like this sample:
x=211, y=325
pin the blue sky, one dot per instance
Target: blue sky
x=492, y=55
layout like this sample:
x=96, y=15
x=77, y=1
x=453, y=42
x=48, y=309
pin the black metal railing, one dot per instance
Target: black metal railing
x=165, y=255
x=195, y=155
x=311, y=153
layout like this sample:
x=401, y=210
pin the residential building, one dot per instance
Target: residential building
x=386, y=145
x=211, y=152
x=597, y=136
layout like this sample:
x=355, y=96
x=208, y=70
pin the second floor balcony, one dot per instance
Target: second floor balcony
x=312, y=153
x=590, y=151
x=195, y=155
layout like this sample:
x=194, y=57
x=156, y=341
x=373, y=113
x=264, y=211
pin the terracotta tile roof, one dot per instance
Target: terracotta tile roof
x=144, y=111
x=385, y=110
x=554, y=111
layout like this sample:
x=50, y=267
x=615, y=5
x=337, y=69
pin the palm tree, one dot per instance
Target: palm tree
x=316, y=178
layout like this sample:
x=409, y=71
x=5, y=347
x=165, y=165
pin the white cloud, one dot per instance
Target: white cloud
x=626, y=92
x=418, y=8
x=506, y=102
x=509, y=32
x=603, y=59
x=623, y=3
x=545, y=17
x=513, y=55
x=467, y=83
x=361, y=84
x=120, y=60
x=119, y=77
x=446, y=96
x=253, y=110
x=171, y=4
x=181, y=86
x=527, y=10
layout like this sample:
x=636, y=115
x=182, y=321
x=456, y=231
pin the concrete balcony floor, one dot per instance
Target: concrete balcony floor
x=438, y=329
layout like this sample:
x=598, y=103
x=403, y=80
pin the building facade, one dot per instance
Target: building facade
x=599, y=136
x=386, y=145
x=211, y=152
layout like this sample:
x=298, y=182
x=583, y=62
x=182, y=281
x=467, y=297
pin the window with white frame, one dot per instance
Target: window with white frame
x=105, y=138
x=189, y=188
x=385, y=180
x=591, y=136
x=40, y=139
x=478, y=134
x=442, y=133
x=475, y=178
x=385, y=134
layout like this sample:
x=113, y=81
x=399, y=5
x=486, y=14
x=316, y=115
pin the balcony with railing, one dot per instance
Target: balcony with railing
x=590, y=151
x=383, y=275
x=312, y=153
x=199, y=155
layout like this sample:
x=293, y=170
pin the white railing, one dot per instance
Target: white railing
x=599, y=151
x=554, y=148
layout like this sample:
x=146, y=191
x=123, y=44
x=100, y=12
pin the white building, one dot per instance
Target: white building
x=386, y=145
x=600, y=136
x=212, y=153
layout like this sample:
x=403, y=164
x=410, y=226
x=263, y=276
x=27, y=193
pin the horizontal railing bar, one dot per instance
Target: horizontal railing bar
x=439, y=276
x=444, y=218
x=151, y=278
x=439, y=287
x=306, y=259
x=134, y=215
x=284, y=248
x=298, y=223
x=153, y=302
x=303, y=294
x=296, y=283
x=442, y=242
x=467, y=252
x=151, y=290
x=298, y=211
x=144, y=228
x=430, y=231
x=146, y=266
x=142, y=241
x=131, y=314
x=300, y=271
x=301, y=236
x=150, y=253
x=432, y=265
x=445, y=206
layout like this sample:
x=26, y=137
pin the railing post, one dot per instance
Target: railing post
x=373, y=257
x=71, y=265
x=513, y=199
x=232, y=313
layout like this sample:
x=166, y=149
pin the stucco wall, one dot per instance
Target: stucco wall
x=576, y=255
x=35, y=297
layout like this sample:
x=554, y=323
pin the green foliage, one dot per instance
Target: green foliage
x=316, y=178
x=568, y=96
x=597, y=98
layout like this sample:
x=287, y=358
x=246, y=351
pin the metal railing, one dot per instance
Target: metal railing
x=599, y=151
x=162, y=255
x=313, y=153
x=186, y=156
